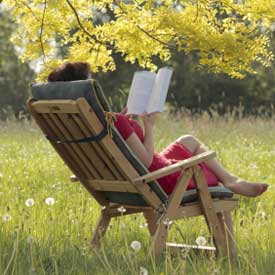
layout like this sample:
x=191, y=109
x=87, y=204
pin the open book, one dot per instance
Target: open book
x=148, y=91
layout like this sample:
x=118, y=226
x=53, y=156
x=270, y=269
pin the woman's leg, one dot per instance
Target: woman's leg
x=236, y=184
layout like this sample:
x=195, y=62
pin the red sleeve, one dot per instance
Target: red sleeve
x=123, y=125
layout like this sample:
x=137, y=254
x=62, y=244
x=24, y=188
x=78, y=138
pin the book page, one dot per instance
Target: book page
x=140, y=91
x=159, y=91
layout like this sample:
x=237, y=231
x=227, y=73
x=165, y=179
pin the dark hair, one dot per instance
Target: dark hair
x=70, y=71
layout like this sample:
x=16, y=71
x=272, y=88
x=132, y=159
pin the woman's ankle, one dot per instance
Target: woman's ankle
x=229, y=180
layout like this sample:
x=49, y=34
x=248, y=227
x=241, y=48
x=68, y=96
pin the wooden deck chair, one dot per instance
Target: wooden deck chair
x=72, y=116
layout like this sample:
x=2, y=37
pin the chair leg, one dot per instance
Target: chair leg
x=101, y=227
x=159, y=239
x=151, y=219
x=226, y=221
x=209, y=212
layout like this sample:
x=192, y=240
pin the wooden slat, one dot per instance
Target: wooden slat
x=127, y=169
x=189, y=246
x=176, y=167
x=101, y=158
x=47, y=129
x=176, y=248
x=82, y=148
x=115, y=185
x=65, y=155
x=63, y=134
x=95, y=125
x=55, y=106
x=55, y=133
x=194, y=209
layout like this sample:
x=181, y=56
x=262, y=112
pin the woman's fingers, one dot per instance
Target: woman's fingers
x=124, y=110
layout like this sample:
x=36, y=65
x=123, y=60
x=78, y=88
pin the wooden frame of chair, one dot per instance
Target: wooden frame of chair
x=103, y=167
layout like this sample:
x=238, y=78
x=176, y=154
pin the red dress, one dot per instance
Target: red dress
x=171, y=154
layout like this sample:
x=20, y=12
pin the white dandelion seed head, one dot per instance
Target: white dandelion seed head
x=29, y=202
x=201, y=241
x=136, y=245
x=49, y=201
x=6, y=218
x=143, y=225
x=167, y=222
x=121, y=209
x=143, y=271
x=262, y=214
x=103, y=10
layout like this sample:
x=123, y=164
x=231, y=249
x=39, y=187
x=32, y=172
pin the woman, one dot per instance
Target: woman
x=142, y=144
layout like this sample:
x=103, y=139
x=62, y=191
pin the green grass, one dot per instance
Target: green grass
x=54, y=239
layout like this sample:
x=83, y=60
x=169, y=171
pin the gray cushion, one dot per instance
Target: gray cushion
x=215, y=192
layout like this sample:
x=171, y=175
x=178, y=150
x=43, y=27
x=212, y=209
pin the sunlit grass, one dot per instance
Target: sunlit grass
x=41, y=238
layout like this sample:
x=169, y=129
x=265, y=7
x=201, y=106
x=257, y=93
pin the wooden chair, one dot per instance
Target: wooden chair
x=72, y=116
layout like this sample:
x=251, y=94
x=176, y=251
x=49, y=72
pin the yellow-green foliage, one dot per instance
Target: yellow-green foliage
x=228, y=35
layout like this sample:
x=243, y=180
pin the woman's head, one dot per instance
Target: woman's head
x=70, y=71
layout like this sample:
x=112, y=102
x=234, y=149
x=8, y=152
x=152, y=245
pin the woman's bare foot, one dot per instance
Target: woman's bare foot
x=246, y=188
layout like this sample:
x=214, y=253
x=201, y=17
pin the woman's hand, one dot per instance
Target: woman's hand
x=124, y=112
x=149, y=120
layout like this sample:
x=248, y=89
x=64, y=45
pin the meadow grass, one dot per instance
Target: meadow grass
x=54, y=239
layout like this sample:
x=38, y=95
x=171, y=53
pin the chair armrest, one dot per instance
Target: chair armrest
x=176, y=167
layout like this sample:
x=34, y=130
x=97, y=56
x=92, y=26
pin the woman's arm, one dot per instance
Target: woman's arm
x=144, y=151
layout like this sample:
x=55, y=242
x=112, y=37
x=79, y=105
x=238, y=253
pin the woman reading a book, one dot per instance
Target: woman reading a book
x=142, y=144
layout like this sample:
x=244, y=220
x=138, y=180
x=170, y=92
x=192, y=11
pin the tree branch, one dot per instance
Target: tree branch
x=155, y=38
x=42, y=28
x=29, y=8
x=147, y=33
x=84, y=29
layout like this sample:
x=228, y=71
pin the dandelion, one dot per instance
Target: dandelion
x=49, y=201
x=201, y=241
x=29, y=202
x=143, y=225
x=6, y=218
x=136, y=245
x=262, y=214
x=121, y=209
x=167, y=222
x=143, y=271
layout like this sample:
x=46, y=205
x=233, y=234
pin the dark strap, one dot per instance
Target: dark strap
x=97, y=138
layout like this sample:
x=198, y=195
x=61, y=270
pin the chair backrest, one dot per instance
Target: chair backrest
x=75, y=110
